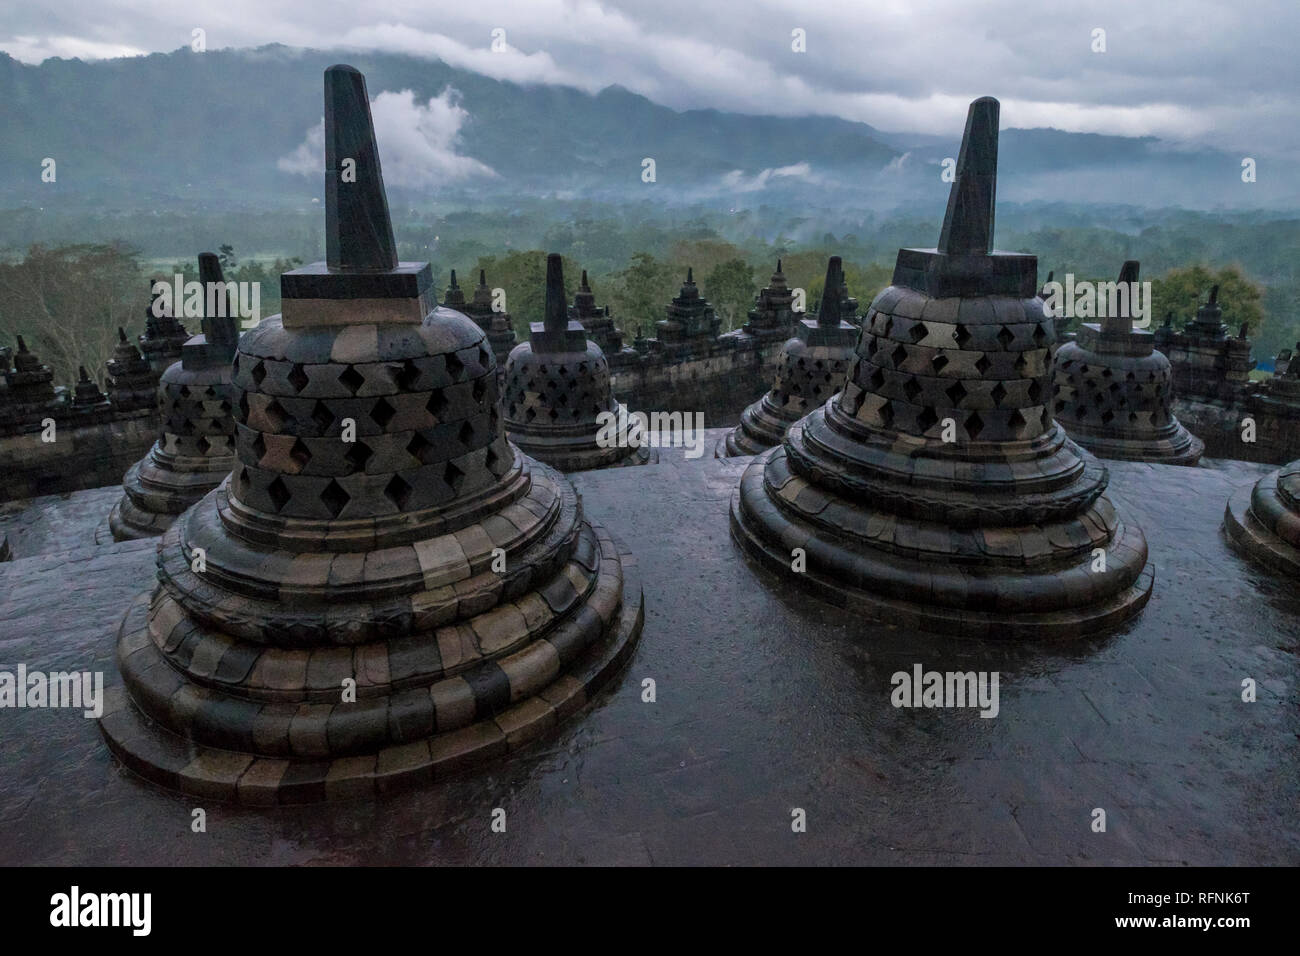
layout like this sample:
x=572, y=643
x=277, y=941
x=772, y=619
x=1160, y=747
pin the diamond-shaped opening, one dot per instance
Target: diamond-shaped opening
x=276, y=416
x=279, y=493
x=1020, y=364
x=382, y=413
x=455, y=367
x=298, y=378
x=1017, y=420
x=872, y=346
x=184, y=391
x=939, y=362
x=1060, y=407
x=998, y=393
x=406, y=375
x=876, y=379
x=974, y=425
x=1035, y=391
x=420, y=448
x=1045, y=420
x=437, y=404
x=887, y=414
x=889, y=326
x=912, y=389
x=917, y=332
x=351, y=379
x=321, y=415
x=335, y=498
x=898, y=355
x=203, y=445
x=961, y=335
x=1107, y=417
x=259, y=372
x=485, y=357
x=1040, y=335
x=358, y=454
x=982, y=364
x=479, y=391
x=466, y=434
x=300, y=453
x=453, y=476
x=956, y=393
x=259, y=446
x=927, y=419
x=1006, y=337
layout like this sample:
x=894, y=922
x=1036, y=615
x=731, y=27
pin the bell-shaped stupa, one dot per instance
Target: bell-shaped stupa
x=935, y=492
x=811, y=367
x=1113, y=392
x=558, y=405
x=385, y=590
x=195, y=449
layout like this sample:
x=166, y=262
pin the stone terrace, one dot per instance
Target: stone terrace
x=766, y=702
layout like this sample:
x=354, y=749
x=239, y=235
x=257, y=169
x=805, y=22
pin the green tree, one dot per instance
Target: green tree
x=641, y=291
x=730, y=287
x=1182, y=290
x=68, y=302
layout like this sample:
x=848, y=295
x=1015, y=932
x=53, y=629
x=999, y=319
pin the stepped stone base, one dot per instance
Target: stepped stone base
x=916, y=558
x=492, y=705
x=1178, y=447
x=1262, y=523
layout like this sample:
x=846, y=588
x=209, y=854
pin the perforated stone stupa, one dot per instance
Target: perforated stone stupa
x=936, y=491
x=557, y=390
x=164, y=336
x=811, y=367
x=132, y=382
x=1113, y=392
x=344, y=616
x=195, y=449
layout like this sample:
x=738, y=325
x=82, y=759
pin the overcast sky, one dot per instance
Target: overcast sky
x=1222, y=74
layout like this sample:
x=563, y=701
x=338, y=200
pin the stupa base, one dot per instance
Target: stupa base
x=1182, y=448
x=155, y=496
x=1030, y=603
x=163, y=757
x=1251, y=537
x=569, y=456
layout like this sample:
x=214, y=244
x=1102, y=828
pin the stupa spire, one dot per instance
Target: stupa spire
x=968, y=223
x=222, y=335
x=832, y=293
x=358, y=229
x=556, y=317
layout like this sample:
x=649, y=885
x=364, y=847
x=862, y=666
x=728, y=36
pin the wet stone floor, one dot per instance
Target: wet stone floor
x=766, y=702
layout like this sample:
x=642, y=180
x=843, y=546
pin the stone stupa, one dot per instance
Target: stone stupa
x=195, y=449
x=495, y=324
x=595, y=319
x=773, y=317
x=557, y=393
x=164, y=336
x=1262, y=522
x=341, y=617
x=811, y=367
x=132, y=382
x=690, y=325
x=1113, y=392
x=936, y=492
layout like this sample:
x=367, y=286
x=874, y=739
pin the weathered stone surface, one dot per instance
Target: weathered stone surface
x=1263, y=521
x=706, y=775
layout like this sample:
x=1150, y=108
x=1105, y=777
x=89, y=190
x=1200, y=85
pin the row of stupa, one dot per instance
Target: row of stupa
x=337, y=618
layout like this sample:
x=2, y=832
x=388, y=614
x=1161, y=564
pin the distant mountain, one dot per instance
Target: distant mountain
x=209, y=128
